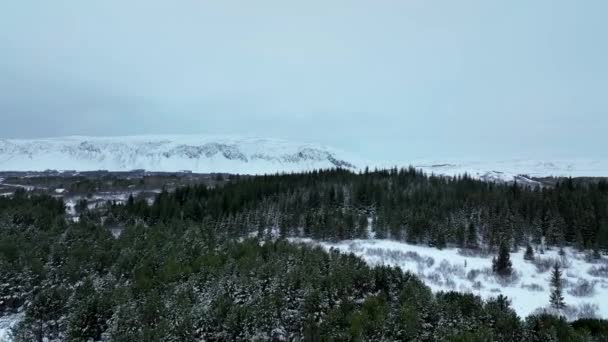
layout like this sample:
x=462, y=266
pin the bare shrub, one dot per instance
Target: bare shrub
x=545, y=264
x=467, y=252
x=473, y=274
x=587, y=310
x=434, y=278
x=355, y=247
x=599, y=271
x=583, y=288
x=477, y=285
x=533, y=287
x=448, y=270
x=426, y=261
x=544, y=310
x=567, y=283
x=570, y=312
x=570, y=274
x=399, y=256
x=508, y=280
x=564, y=262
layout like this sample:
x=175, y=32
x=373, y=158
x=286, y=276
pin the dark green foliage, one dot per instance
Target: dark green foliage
x=529, y=254
x=501, y=264
x=596, y=327
x=181, y=270
x=472, y=239
x=557, y=298
x=405, y=204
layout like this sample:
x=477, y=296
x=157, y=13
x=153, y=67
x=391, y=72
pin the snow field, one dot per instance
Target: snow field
x=451, y=269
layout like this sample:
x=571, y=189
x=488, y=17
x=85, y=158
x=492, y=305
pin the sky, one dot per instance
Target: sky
x=385, y=78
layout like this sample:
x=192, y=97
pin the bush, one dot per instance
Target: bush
x=399, y=256
x=477, y=285
x=473, y=274
x=599, y=271
x=533, y=287
x=587, y=310
x=507, y=280
x=434, y=278
x=473, y=252
x=583, y=288
x=448, y=270
x=544, y=264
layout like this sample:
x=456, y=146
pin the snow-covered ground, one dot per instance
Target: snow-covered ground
x=7, y=323
x=451, y=270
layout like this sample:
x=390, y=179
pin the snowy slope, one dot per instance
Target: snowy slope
x=167, y=153
x=519, y=169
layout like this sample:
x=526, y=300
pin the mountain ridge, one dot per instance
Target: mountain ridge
x=168, y=153
x=253, y=155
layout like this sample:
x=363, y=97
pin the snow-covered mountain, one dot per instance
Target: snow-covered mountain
x=206, y=154
x=168, y=153
x=520, y=170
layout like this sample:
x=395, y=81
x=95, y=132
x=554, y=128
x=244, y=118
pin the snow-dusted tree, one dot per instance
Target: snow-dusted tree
x=529, y=254
x=502, y=265
x=557, y=298
x=472, y=237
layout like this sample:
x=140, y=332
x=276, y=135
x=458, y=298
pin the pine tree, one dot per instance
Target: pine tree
x=529, y=255
x=557, y=298
x=502, y=265
x=472, y=237
x=460, y=235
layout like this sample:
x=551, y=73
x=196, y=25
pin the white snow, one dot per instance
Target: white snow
x=203, y=154
x=518, y=169
x=448, y=269
x=7, y=323
x=245, y=155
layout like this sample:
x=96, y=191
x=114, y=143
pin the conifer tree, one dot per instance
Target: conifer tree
x=529, y=255
x=557, y=298
x=472, y=237
x=502, y=265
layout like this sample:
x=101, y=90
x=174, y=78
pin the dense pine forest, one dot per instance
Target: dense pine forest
x=208, y=263
x=403, y=204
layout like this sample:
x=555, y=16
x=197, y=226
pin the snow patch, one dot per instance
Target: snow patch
x=7, y=323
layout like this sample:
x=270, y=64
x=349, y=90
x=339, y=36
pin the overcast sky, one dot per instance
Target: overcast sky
x=408, y=78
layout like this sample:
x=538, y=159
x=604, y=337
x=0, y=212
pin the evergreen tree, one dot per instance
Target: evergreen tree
x=472, y=237
x=502, y=265
x=529, y=254
x=557, y=298
x=460, y=235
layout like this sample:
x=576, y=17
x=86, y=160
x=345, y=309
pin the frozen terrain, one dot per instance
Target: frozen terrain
x=201, y=154
x=6, y=324
x=585, y=281
x=223, y=154
x=516, y=169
